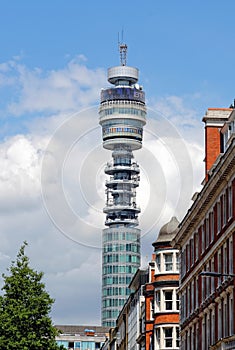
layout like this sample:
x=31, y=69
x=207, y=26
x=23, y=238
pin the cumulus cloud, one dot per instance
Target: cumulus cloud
x=68, y=89
x=184, y=114
x=52, y=180
x=20, y=174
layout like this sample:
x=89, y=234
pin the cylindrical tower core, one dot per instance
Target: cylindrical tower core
x=122, y=116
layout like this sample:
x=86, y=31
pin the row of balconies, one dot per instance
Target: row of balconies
x=111, y=169
x=133, y=182
x=126, y=221
x=111, y=206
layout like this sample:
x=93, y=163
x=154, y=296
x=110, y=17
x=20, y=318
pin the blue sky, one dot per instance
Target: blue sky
x=181, y=47
x=53, y=61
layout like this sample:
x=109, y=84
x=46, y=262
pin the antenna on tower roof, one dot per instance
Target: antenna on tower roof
x=122, y=50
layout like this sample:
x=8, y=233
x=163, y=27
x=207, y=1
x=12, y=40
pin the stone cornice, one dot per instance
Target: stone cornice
x=222, y=172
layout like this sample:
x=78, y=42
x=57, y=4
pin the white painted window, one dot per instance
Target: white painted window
x=158, y=338
x=177, y=301
x=158, y=261
x=168, y=337
x=168, y=298
x=158, y=300
x=168, y=261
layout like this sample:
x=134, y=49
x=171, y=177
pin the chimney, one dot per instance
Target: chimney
x=214, y=120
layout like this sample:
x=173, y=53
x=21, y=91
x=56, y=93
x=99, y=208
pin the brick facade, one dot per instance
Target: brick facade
x=206, y=240
x=162, y=307
x=214, y=121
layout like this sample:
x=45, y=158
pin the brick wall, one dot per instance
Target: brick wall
x=212, y=145
x=214, y=120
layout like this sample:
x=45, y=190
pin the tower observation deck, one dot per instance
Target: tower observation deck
x=122, y=115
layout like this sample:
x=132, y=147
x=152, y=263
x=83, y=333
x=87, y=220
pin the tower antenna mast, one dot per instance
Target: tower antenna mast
x=122, y=50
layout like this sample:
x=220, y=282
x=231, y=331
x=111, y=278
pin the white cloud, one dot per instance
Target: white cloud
x=73, y=180
x=4, y=256
x=67, y=89
x=181, y=111
x=20, y=174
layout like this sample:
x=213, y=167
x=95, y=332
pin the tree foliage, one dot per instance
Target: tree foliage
x=24, y=309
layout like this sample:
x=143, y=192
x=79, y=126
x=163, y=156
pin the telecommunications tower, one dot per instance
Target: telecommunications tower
x=122, y=115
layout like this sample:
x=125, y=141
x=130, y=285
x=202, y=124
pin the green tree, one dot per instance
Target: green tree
x=24, y=309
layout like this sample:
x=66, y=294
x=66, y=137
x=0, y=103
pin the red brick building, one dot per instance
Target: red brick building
x=206, y=240
x=214, y=121
x=161, y=300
